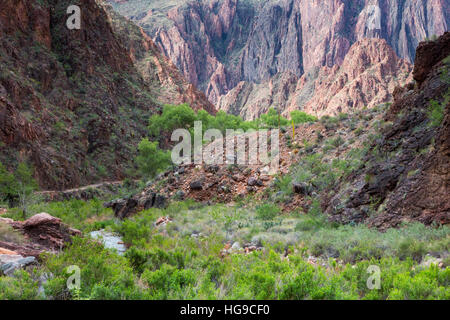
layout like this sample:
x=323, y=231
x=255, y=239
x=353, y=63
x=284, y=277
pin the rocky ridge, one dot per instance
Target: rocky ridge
x=367, y=76
x=408, y=177
x=74, y=103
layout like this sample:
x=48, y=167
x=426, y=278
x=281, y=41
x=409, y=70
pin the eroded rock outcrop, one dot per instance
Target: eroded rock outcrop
x=365, y=78
x=42, y=232
x=408, y=178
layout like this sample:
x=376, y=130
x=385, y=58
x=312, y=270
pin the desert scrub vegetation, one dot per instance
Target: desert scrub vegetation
x=435, y=111
x=182, y=259
x=8, y=234
x=83, y=215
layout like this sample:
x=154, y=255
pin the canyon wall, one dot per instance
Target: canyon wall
x=217, y=44
x=75, y=103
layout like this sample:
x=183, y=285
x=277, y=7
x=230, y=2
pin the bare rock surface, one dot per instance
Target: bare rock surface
x=42, y=232
x=223, y=46
x=411, y=185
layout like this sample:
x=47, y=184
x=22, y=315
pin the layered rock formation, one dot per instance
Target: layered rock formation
x=41, y=232
x=74, y=102
x=366, y=77
x=408, y=178
x=162, y=77
x=219, y=43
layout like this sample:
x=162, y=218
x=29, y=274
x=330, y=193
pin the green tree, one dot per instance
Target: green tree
x=302, y=117
x=25, y=185
x=7, y=185
x=172, y=117
x=272, y=119
x=151, y=159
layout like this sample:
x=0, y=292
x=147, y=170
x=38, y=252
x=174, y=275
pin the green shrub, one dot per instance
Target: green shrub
x=104, y=274
x=302, y=117
x=272, y=119
x=436, y=113
x=18, y=188
x=169, y=282
x=267, y=211
x=21, y=286
x=151, y=159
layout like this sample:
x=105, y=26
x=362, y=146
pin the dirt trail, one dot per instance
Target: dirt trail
x=91, y=186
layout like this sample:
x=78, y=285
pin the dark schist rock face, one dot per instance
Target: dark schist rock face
x=409, y=178
x=428, y=54
x=123, y=208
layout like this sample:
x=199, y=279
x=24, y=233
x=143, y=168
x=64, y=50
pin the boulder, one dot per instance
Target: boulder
x=179, y=195
x=4, y=251
x=41, y=219
x=43, y=232
x=300, y=188
x=252, y=181
x=196, y=185
x=15, y=262
x=122, y=207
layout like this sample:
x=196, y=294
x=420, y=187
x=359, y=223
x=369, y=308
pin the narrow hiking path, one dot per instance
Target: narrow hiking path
x=83, y=188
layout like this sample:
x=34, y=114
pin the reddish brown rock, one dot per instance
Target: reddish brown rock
x=428, y=54
x=68, y=97
x=414, y=184
x=217, y=44
x=42, y=232
x=6, y=251
x=365, y=78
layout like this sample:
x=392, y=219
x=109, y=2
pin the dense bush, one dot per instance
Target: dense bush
x=267, y=211
x=104, y=274
x=23, y=286
x=151, y=160
x=18, y=188
x=302, y=117
x=273, y=119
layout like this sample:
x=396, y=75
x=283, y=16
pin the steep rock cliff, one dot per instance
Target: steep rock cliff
x=366, y=77
x=219, y=43
x=73, y=102
x=407, y=176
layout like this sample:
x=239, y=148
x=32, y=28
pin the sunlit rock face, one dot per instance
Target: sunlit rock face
x=217, y=44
